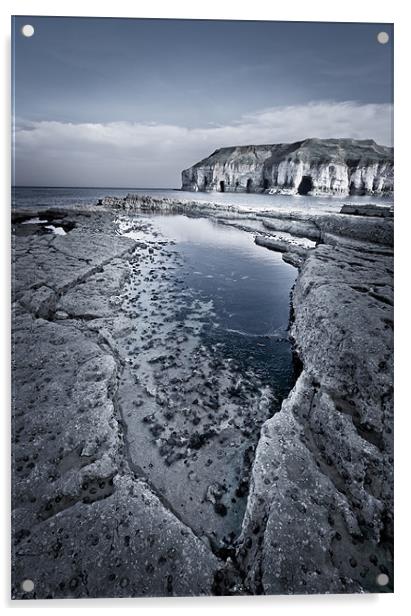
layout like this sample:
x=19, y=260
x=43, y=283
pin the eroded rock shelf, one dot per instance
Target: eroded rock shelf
x=108, y=498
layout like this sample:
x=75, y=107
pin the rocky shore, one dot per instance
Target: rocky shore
x=321, y=502
x=121, y=484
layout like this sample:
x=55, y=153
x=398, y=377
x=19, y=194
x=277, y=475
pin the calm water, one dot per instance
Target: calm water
x=212, y=309
x=249, y=286
x=249, y=289
x=71, y=197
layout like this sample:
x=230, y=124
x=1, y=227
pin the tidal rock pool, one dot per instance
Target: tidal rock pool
x=207, y=359
x=151, y=356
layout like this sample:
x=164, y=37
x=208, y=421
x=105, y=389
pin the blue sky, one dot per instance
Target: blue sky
x=120, y=102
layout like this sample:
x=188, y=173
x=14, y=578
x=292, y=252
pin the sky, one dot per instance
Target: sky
x=133, y=102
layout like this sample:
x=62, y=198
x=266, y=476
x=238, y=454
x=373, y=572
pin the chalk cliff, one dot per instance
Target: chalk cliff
x=312, y=166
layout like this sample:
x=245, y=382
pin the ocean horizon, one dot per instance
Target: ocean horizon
x=81, y=196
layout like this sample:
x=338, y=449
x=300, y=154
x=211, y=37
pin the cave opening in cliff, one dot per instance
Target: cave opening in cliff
x=266, y=184
x=222, y=186
x=249, y=185
x=305, y=186
x=355, y=190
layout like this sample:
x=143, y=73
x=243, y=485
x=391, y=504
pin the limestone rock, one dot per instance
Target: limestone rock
x=312, y=166
x=41, y=301
x=88, y=521
x=369, y=209
x=126, y=545
x=319, y=515
x=85, y=523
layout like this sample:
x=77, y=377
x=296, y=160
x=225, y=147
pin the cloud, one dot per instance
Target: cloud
x=150, y=155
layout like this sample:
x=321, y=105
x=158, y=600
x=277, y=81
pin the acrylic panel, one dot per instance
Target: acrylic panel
x=202, y=308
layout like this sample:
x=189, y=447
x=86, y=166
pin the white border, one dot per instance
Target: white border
x=298, y=10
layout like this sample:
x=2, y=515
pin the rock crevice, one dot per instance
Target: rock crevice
x=321, y=491
x=318, y=513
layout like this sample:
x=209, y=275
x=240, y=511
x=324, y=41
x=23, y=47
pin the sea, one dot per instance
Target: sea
x=47, y=196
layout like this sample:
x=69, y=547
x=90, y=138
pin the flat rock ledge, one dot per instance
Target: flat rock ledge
x=319, y=515
x=316, y=225
x=318, y=519
x=86, y=523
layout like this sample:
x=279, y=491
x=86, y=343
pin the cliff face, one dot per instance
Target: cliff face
x=313, y=166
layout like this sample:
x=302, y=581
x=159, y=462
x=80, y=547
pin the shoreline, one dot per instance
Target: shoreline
x=297, y=455
x=310, y=224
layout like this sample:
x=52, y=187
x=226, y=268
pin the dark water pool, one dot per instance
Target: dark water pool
x=209, y=358
x=249, y=288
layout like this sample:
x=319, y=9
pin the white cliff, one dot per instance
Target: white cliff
x=313, y=166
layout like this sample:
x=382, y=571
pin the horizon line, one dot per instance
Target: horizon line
x=92, y=187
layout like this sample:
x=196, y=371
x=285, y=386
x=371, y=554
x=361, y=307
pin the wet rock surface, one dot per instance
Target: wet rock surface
x=86, y=522
x=314, y=225
x=191, y=419
x=319, y=514
x=368, y=210
x=139, y=467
